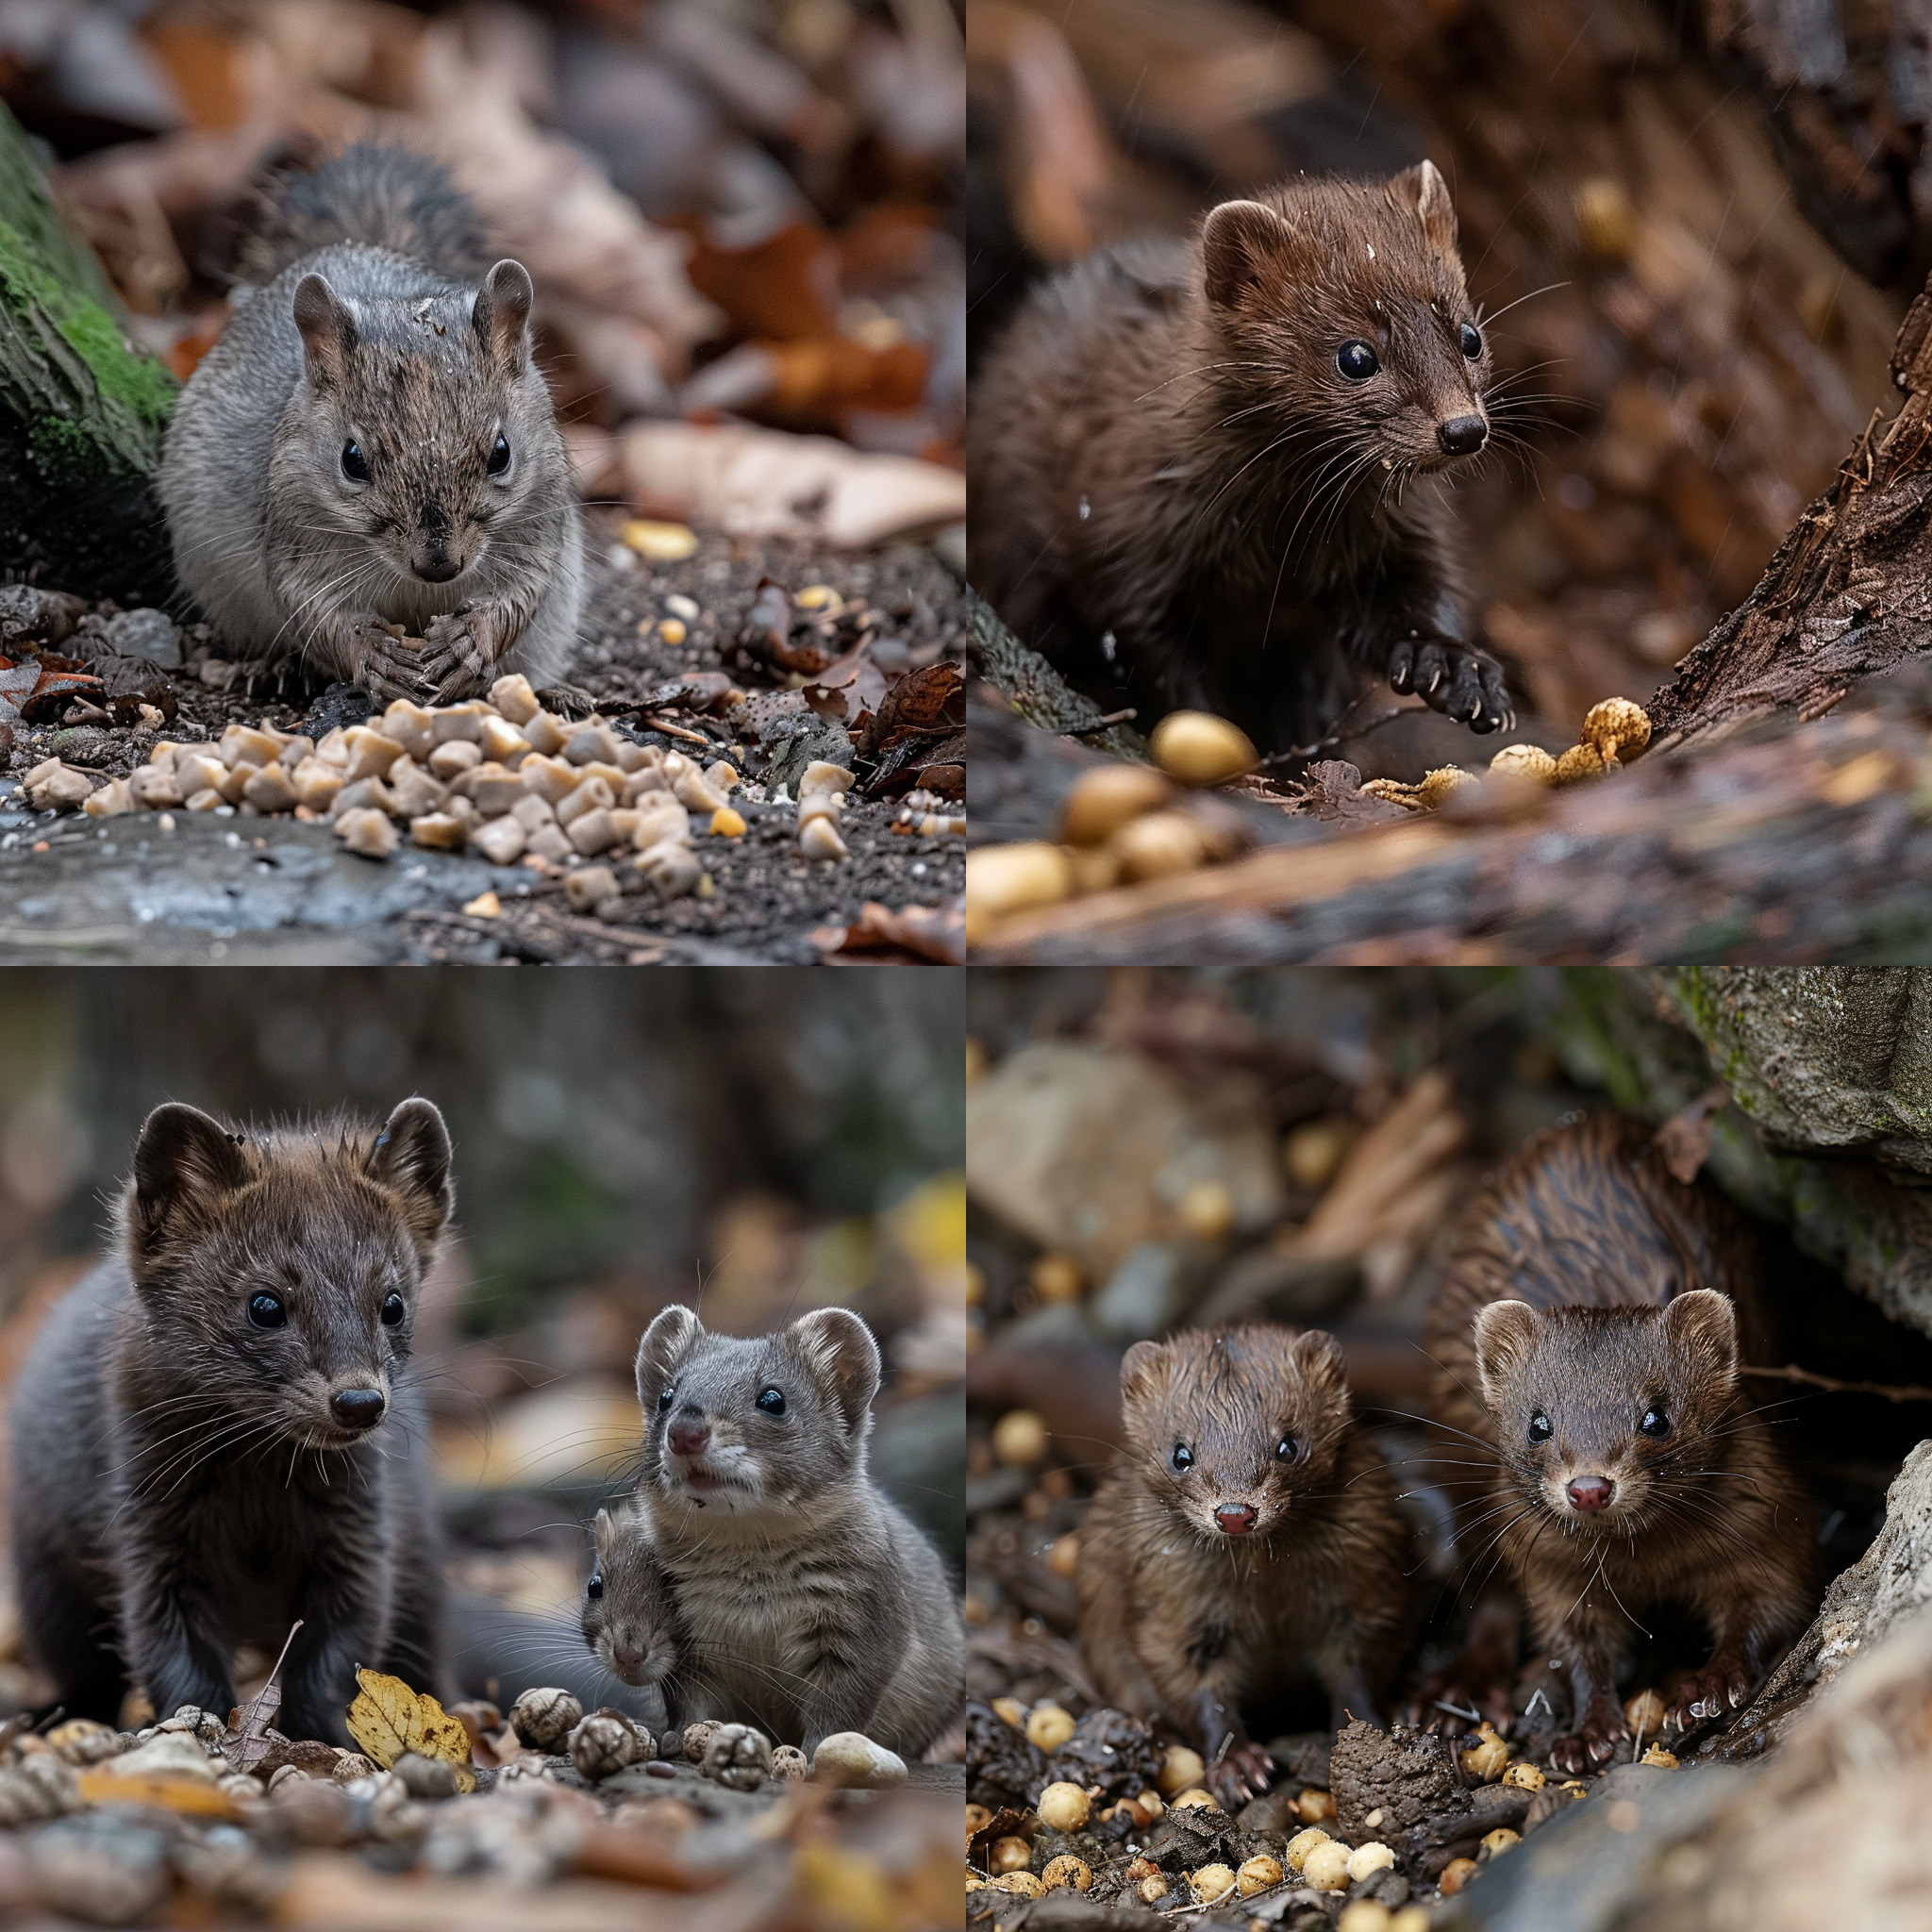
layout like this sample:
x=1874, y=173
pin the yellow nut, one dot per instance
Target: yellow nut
x=1657, y=1755
x=1180, y=1770
x=1258, y=1874
x=1579, y=762
x=1068, y=1873
x=1020, y=1438
x=1524, y=1778
x=1500, y=1840
x=1199, y=1799
x=1485, y=1756
x=1057, y=1278
x=1009, y=1854
x=1002, y=880
x=726, y=823
x=1105, y=798
x=1455, y=1874
x=1315, y=1808
x=1645, y=1714
x=672, y=630
x=1152, y=1887
x=1525, y=761
x=1313, y=1153
x=1048, y=1727
x=1157, y=846
x=973, y=1884
x=1198, y=748
x=1063, y=1806
x=1605, y=222
x=1615, y=728
x=1366, y=1861
x=1301, y=1844
x=1212, y=1882
x=1024, y=1883
x=1010, y=1710
x=1434, y=789
x=1410, y=1919
x=1326, y=1867
x=1094, y=868
x=660, y=542
x=1140, y=1869
x=1364, y=1915
x=1207, y=1210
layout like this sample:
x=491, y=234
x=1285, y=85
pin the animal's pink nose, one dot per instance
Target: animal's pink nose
x=628, y=1656
x=689, y=1439
x=1236, y=1519
x=1590, y=1491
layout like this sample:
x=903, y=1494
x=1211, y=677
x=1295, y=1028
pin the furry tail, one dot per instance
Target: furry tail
x=386, y=196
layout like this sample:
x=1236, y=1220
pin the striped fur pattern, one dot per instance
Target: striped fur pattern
x=809, y=1603
x=183, y=1485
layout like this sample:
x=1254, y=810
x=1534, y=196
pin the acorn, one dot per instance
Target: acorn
x=543, y=1720
x=1196, y=748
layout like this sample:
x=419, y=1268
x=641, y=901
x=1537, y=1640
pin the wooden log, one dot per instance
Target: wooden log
x=82, y=409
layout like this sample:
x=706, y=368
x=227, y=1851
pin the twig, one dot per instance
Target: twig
x=1101, y=724
x=1338, y=734
x=1907, y=1392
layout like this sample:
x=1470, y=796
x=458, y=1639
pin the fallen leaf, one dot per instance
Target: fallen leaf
x=1684, y=1139
x=249, y=1740
x=192, y=1797
x=387, y=1719
x=922, y=932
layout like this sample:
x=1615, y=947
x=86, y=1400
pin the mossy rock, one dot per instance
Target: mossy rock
x=83, y=410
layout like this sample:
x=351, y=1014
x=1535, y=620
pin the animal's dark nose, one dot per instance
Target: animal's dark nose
x=1236, y=1519
x=437, y=567
x=357, y=1408
x=689, y=1439
x=1462, y=436
x=1590, y=1491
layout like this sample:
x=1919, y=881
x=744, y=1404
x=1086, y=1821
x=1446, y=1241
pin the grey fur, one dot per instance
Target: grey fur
x=287, y=553
x=180, y=1486
x=809, y=1603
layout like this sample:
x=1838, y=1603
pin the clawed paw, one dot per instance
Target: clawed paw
x=1715, y=1690
x=1460, y=683
x=1240, y=1775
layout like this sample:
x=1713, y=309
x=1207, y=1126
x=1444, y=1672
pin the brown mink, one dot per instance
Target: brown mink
x=1587, y=1327
x=1204, y=473
x=1251, y=1533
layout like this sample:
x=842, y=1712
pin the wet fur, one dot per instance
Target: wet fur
x=809, y=1603
x=1243, y=543
x=1181, y=1622
x=1585, y=1281
x=411, y=360
x=180, y=1486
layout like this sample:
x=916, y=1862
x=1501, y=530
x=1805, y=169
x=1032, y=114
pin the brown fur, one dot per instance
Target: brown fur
x=1587, y=1287
x=1175, y=490
x=1179, y=1620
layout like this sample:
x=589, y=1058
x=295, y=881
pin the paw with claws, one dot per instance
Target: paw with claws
x=1461, y=683
x=1241, y=1773
x=1720, y=1688
x=1594, y=1742
x=459, y=648
x=1477, y=1682
x=391, y=666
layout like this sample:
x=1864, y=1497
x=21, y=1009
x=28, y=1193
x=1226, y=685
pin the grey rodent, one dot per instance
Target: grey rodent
x=1203, y=472
x=371, y=445
x=808, y=1602
x=629, y=1621
x=215, y=1433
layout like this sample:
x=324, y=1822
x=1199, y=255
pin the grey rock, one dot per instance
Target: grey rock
x=149, y=634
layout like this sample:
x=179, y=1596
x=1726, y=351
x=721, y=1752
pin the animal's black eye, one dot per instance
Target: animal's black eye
x=1655, y=1423
x=594, y=1589
x=266, y=1310
x=664, y=1400
x=1471, y=337
x=354, y=465
x=392, y=1310
x=1357, y=360
x=1183, y=1456
x=772, y=1401
x=1287, y=1449
x=499, y=454
x=1540, y=1430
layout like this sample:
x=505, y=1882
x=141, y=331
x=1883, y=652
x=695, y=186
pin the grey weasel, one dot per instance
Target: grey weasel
x=370, y=453
x=223, y=1434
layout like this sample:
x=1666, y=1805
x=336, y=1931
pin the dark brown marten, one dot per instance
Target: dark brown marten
x=216, y=1433
x=1587, y=1327
x=1203, y=473
x=1251, y=1534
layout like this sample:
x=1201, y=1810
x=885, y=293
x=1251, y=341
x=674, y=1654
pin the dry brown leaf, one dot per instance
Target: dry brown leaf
x=387, y=1719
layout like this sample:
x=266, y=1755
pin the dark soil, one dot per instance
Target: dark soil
x=238, y=888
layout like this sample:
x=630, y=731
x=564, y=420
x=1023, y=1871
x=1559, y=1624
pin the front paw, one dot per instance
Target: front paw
x=1471, y=1683
x=459, y=648
x=1720, y=1687
x=1459, y=682
x=1594, y=1742
x=391, y=667
x=1240, y=1772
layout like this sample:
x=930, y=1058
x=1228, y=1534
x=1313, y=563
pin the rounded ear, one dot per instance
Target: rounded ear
x=1423, y=188
x=328, y=330
x=1505, y=1332
x=183, y=1160
x=1705, y=1321
x=841, y=1353
x=1238, y=242
x=672, y=1336
x=501, y=315
x=602, y=1530
x=1320, y=1362
x=411, y=1158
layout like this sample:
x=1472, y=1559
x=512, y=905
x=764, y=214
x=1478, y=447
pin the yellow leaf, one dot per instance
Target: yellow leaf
x=191, y=1796
x=387, y=1719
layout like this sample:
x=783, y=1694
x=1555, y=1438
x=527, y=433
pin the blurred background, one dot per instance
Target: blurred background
x=1704, y=219
x=1149, y=1151
x=742, y=209
x=623, y=1141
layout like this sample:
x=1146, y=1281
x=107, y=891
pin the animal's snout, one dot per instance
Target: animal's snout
x=689, y=1439
x=1462, y=436
x=357, y=1408
x=1234, y=1519
x=1590, y=1491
